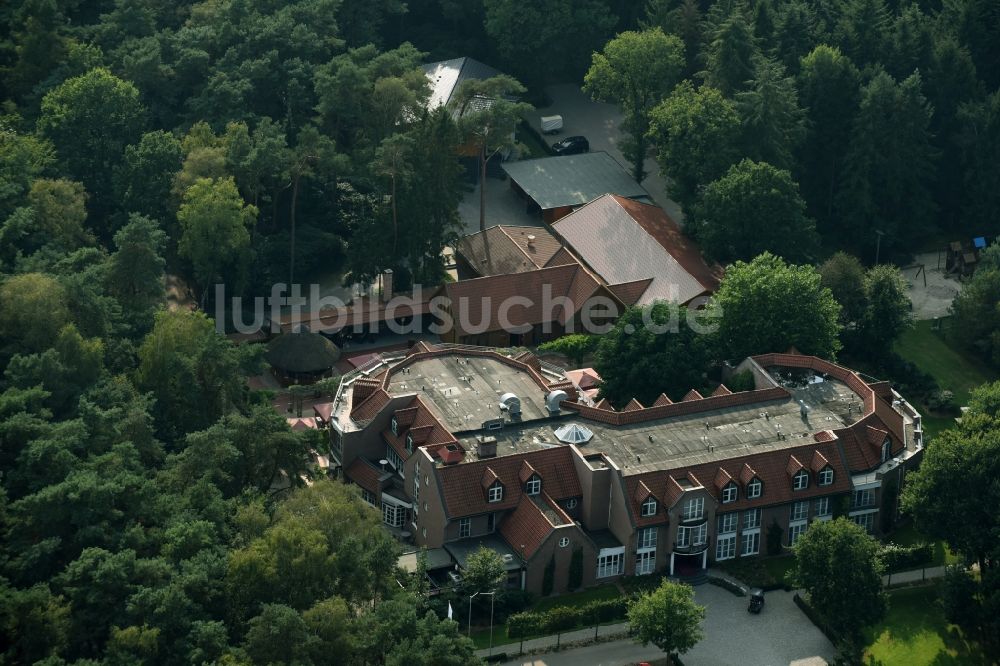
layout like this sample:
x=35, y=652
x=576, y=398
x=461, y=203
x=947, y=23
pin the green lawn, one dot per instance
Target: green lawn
x=915, y=632
x=953, y=369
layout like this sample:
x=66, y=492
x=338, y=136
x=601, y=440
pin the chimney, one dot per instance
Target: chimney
x=386, y=284
x=531, y=241
x=486, y=447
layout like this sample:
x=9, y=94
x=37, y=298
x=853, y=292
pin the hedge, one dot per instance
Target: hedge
x=815, y=618
x=900, y=558
x=599, y=611
x=727, y=584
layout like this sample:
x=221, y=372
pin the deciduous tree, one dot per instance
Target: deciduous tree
x=769, y=306
x=636, y=70
x=668, y=618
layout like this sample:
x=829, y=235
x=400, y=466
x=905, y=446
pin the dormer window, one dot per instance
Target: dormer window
x=534, y=485
x=826, y=476
x=394, y=424
x=801, y=480
x=648, y=507
x=495, y=492
x=754, y=489
x=886, y=449
x=409, y=443
x=730, y=493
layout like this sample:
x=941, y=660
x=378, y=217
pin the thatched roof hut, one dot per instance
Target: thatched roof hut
x=302, y=353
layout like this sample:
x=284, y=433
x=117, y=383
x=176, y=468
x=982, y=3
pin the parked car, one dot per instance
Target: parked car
x=756, y=601
x=571, y=145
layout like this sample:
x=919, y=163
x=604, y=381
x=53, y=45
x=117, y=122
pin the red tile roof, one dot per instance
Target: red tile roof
x=721, y=390
x=630, y=292
x=368, y=408
x=663, y=400
x=526, y=526
x=722, y=478
x=502, y=249
x=632, y=406
x=692, y=395
x=819, y=461
x=365, y=474
x=463, y=493
x=793, y=466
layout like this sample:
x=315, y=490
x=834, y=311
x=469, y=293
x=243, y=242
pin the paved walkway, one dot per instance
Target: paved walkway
x=550, y=641
x=915, y=576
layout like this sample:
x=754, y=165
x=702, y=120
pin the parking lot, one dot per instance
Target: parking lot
x=780, y=635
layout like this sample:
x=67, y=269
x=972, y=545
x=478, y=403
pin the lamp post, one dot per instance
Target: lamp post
x=492, y=599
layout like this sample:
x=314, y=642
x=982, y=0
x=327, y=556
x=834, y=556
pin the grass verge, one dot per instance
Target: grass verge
x=915, y=632
x=950, y=366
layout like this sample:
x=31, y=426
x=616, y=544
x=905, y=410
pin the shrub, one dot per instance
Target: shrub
x=942, y=402
x=741, y=381
x=900, y=558
x=727, y=584
x=605, y=610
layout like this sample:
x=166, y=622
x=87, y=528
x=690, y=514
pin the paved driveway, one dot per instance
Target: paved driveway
x=600, y=123
x=780, y=635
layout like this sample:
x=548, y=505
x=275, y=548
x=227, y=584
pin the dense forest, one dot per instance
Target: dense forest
x=258, y=141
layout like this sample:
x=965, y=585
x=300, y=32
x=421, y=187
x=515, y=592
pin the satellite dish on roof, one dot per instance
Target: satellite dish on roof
x=573, y=433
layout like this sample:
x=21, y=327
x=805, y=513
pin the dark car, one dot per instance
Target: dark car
x=756, y=601
x=571, y=145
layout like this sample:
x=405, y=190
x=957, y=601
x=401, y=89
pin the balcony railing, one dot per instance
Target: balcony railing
x=690, y=549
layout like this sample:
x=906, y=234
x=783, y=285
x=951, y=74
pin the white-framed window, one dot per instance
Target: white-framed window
x=495, y=492
x=692, y=536
x=800, y=510
x=563, y=542
x=886, y=449
x=694, y=509
x=730, y=493
x=534, y=485
x=409, y=443
x=464, y=527
x=728, y=522
x=649, y=506
x=394, y=459
x=751, y=519
x=795, y=531
x=801, y=480
x=754, y=489
x=725, y=547
x=645, y=562
x=571, y=503
x=610, y=565
x=367, y=496
x=823, y=506
x=392, y=515
x=866, y=520
x=647, y=538
x=751, y=543
x=394, y=425
x=416, y=487
x=864, y=498
x=826, y=476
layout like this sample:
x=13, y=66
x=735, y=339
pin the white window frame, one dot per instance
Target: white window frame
x=611, y=564
x=368, y=496
x=393, y=515
x=868, y=493
x=648, y=508
x=795, y=531
x=822, y=507
x=694, y=509
x=800, y=481
x=750, y=525
x=755, y=488
x=728, y=522
x=799, y=511
x=534, y=485
x=571, y=503
x=751, y=543
x=826, y=476
x=866, y=520
x=563, y=542
x=394, y=426
x=645, y=562
x=647, y=538
x=409, y=443
x=730, y=493
x=464, y=528
x=685, y=538
x=725, y=547
x=393, y=459
x=495, y=492
x=886, y=449
x=416, y=488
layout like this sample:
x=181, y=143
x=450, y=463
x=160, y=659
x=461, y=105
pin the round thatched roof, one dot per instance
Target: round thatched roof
x=302, y=352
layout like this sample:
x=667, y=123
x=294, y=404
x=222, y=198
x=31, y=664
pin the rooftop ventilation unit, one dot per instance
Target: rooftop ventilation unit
x=486, y=447
x=510, y=403
x=508, y=558
x=553, y=399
